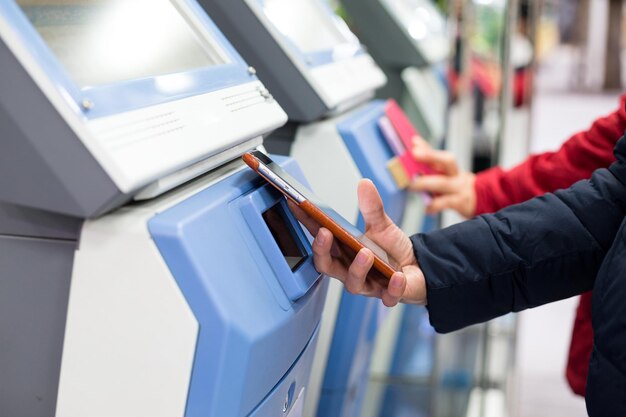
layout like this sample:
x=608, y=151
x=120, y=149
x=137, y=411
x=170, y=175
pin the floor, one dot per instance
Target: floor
x=544, y=332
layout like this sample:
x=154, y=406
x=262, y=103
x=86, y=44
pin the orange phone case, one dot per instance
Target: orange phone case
x=346, y=238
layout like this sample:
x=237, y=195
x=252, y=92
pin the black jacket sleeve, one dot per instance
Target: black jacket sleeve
x=543, y=250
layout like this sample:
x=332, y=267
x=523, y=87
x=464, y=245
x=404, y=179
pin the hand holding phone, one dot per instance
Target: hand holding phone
x=350, y=238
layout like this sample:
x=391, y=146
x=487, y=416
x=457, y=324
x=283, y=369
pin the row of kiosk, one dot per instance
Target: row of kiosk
x=144, y=270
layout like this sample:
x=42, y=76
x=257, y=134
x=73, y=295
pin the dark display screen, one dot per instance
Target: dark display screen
x=285, y=236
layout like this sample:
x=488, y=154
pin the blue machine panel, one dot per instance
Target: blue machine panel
x=127, y=95
x=253, y=325
x=371, y=153
x=346, y=376
x=289, y=390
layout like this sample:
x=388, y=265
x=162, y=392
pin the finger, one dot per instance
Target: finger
x=439, y=204
x=307, y=221
x=435, y=184
x=371, y=206
x=392, y=295
x=442, y=161
x=322, y=258
x=447, y=163
x=388, y=300
x=357, y=273
x=419, y=144
x=397, y=285
x=415, y=289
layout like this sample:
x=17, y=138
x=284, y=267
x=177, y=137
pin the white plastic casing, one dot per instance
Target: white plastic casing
x=349, y=80
x=139, y=147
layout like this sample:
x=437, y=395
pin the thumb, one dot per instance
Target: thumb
x=371, y=206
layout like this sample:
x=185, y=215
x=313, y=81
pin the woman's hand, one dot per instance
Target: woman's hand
x=452, y=188
x=407, y=285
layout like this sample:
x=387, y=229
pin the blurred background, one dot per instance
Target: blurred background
x=521, y=77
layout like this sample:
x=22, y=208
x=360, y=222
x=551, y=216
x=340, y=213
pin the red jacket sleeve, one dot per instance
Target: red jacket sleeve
x=582, y=154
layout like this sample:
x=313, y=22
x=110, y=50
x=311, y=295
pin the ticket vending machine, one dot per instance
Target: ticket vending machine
x=409, y=39
x=144, y=270
x=319, y=72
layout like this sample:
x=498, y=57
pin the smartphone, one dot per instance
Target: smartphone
x=351, y=240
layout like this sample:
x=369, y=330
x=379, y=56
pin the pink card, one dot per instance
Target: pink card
x=406, y=132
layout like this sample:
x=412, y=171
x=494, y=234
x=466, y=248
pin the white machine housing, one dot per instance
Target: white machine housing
x=303, y=51
x=134, y=128
x=351, y=77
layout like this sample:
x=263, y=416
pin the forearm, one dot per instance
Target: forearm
x=579, y=156
x=546, y=249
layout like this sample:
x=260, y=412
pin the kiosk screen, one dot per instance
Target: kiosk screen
x=306, y=24
x=107, y=41
x=420, y=17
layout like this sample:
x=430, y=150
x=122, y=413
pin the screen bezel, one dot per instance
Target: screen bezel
x=294, y=282
x=110, y=99
x=321, y=57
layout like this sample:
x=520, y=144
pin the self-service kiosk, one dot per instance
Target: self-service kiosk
x=144, y=270
x=409, y=39
x=319, y=72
